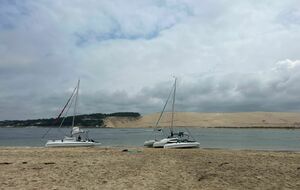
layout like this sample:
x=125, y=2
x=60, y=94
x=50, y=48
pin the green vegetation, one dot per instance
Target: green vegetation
x=86, y=120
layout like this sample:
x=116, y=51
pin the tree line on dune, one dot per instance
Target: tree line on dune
x=86, y=120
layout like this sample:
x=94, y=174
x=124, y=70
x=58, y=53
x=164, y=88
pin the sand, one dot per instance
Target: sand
x=139, y=168
x=196, y=119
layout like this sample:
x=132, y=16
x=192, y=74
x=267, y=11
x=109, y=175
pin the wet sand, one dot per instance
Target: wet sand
x=139, y=168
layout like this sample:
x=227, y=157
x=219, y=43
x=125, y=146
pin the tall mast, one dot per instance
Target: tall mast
x=75, y=107
x=173, y=107
x=162, y=112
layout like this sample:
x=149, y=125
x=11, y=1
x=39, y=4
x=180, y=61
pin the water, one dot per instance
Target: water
x=254, y=139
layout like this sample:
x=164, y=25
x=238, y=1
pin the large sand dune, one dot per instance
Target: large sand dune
x=195, y=119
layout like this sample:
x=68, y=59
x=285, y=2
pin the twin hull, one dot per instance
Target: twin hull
x=182, y=145
x=161, y=143
x=149, y=143
x=60, y=143
x=170, y=143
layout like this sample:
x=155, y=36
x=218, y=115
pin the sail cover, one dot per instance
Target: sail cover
x=76, y=130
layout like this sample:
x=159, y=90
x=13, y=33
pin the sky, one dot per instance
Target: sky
x=228, y=56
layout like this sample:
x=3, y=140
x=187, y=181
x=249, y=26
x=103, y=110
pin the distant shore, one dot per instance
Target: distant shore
x=141, y=168
x=272, y=120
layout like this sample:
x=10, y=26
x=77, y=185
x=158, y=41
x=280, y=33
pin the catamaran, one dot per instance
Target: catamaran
x=150, y=143
x=183, y=141
x=174, y=140
x=77, y=137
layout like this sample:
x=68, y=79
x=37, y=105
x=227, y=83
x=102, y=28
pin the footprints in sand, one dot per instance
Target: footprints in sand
x=206, y=175
x=5, y=163
x=222, y=164
x=36, y=167
x=47, y=163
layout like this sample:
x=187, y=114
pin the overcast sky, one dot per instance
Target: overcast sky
x=229, y=56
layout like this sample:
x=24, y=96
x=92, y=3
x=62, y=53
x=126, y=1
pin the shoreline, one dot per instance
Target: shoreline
x=142, y=147
x=152, y=127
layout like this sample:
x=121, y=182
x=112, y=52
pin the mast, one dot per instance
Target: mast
x=75, y=107
x=173, y=107
x=162, y=112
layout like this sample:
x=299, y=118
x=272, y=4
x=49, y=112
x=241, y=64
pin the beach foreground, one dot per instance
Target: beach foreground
x=139, y=168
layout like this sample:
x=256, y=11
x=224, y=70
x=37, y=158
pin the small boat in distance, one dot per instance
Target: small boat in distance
x=78, y=137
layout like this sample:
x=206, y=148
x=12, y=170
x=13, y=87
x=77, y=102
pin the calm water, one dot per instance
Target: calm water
x=258, y=139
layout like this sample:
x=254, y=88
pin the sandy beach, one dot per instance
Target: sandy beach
x=140, y=168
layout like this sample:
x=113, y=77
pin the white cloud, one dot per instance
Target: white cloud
x=229, y=56
x=287, y=64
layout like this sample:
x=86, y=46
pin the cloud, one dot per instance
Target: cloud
x=228, y=56
x=273, y=90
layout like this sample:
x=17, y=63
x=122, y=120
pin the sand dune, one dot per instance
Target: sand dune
x=196, y=119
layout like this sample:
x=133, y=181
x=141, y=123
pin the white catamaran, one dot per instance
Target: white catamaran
x=174, y=140
x=78, y=137
x=150, y=143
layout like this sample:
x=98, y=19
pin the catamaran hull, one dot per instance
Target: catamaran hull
x=59, y=143
x=162, y=142
x=182, y=145
x=149, y=143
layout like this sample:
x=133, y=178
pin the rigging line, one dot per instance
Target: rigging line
x=75, y=107
x=160, y=116
x=57, y=118
x=163, y=110
x=46, y=132
x=66, y=113
x=66, y=104
x=72, y=100
x=190, y=134
x=173, y=107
